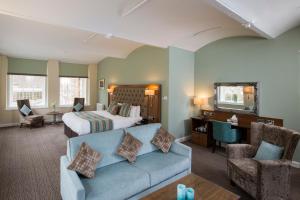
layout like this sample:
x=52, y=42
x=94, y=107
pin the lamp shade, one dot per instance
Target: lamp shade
x=198, y=101
x=149, y=92
x=110, y=90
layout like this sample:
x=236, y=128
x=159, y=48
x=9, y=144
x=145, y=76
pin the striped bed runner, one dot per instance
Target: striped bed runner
x=97, y=123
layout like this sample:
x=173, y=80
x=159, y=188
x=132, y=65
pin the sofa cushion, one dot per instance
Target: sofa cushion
x=118, y=181
x=129, y=148
x=246, y=168
x=161, y=166
x=163, y=140
x=110, y=140
x=85, y=161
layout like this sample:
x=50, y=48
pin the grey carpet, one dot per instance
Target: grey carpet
x=30, y=162
x=29, y=167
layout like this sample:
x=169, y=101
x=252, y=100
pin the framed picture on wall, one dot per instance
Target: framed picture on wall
x=102, y=83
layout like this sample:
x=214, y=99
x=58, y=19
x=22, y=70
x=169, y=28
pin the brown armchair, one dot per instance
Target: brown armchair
x=263, y=179
x=76, y=101
x=31, y=119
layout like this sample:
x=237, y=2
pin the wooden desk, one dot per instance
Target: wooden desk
x=244, y=120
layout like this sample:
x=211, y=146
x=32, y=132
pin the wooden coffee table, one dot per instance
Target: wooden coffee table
x=204, y=190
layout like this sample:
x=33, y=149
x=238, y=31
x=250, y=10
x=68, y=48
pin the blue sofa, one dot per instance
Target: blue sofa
x=115, y=177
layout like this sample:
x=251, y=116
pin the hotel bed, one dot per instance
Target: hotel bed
x=80, y=123
x=82, y=126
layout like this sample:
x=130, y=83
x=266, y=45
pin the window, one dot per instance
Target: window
x=26, y=87
x=71, y=88
x=231, y=95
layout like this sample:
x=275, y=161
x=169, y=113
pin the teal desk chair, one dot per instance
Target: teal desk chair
x=223, y=132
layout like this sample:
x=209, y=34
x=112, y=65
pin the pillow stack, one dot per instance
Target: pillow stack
x=125, y=110
x=113, y=108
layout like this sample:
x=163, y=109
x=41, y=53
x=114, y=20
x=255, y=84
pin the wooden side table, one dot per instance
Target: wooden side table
x=201, y=136
x=54, y=114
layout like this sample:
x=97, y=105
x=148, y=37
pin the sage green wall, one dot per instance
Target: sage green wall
x=27, y=66
x=275, y=64
x=144, y=65
x=181, y=90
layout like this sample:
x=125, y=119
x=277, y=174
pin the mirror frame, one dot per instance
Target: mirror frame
x=255, y=110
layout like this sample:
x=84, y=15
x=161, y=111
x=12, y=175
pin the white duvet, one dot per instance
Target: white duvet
x=82, y=126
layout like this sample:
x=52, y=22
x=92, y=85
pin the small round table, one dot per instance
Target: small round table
x=55, y=114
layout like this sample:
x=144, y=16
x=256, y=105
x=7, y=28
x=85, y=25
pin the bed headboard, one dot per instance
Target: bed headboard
x=135, y=95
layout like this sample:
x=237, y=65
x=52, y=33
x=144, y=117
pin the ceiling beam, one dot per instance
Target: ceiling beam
x=239, y=17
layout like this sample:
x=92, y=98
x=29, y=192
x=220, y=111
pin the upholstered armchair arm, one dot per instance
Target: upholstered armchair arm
x=71, y=187
x=273, y=179
x=236, y=151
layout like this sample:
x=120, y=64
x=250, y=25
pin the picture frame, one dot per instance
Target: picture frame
x=101, y=83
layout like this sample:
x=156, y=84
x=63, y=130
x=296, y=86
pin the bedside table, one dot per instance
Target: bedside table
x=201, y=136
x=143, y=122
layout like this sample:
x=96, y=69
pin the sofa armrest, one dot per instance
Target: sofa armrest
x=273, y=179
x=71, y=187
x=236, y=151
x=181, y=149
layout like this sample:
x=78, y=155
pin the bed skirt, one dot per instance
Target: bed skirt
x=69, y=132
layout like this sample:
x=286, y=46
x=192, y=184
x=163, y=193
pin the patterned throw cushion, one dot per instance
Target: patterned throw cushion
x=125, y=110
x=163, y=140
x=78, y=107
x=268, y=151
x=113, y=108
x=25, y=110
x=129, y=148
x=85, y=161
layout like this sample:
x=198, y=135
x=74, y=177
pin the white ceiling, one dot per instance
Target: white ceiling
x=58, y=29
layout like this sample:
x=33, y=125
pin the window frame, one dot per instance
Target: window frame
x=87, y=99
x=8, y=107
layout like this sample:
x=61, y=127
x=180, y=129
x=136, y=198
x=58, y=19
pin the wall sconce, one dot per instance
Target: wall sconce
x=110, y=90
x=149, y=92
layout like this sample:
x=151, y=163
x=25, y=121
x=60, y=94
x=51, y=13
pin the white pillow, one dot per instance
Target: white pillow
x=135, y=111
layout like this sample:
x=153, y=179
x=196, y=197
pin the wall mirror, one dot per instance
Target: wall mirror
x=237, y=97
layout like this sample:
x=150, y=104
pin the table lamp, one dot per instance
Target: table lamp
x=198, y=102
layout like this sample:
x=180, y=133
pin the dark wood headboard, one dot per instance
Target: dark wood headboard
x=135, y=95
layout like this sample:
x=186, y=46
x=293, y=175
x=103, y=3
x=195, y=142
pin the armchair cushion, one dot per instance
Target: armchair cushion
x=246, y=167
x=78, y=107
x=244, y=173
x=25, y=110
x=267, y=151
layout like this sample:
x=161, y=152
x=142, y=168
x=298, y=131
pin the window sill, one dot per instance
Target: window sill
x=70, y=106
x=33, y=107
